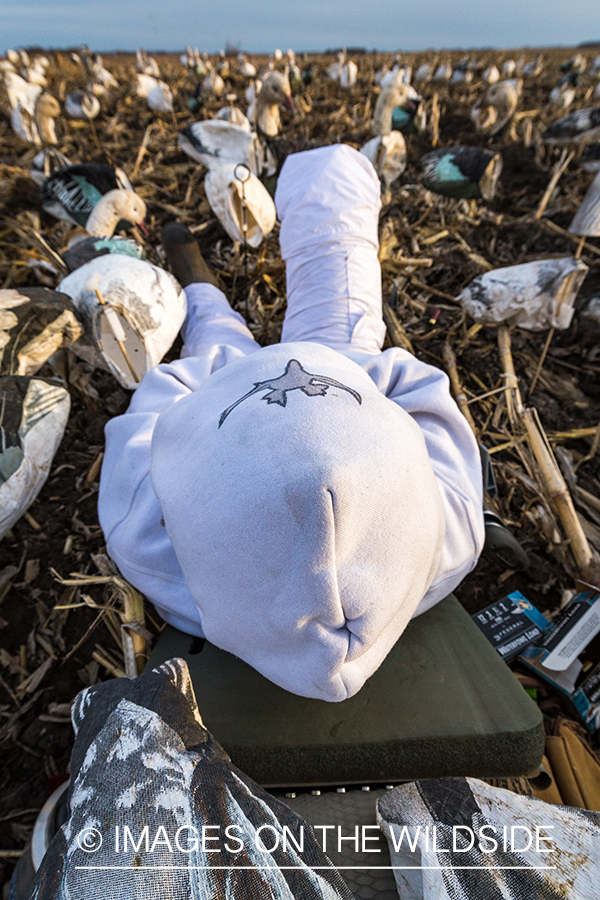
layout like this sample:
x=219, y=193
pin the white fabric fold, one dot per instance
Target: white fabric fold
x=304, y=512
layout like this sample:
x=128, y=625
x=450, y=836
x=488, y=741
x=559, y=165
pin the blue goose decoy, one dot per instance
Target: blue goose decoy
x=33, y=418
x=82, y=251
x=579, y=126
x=464, y=173
x=72, y=192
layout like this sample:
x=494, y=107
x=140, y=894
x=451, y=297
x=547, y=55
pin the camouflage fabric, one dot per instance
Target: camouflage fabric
x=160, y=811
x=462, y=839
x=34, y=323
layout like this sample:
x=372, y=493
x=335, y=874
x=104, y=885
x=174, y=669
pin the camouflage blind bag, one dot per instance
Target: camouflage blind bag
x=158, y=810
x=463, y=839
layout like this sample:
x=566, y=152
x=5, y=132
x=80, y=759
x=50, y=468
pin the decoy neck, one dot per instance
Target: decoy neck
x=274, y=93
x=113, y=207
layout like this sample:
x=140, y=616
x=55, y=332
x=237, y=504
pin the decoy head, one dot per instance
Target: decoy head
x=47, y=106
x=276, y=90
x=113, y=207
x=495, y=108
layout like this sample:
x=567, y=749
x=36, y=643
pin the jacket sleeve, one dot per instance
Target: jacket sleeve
x=129, y=513
x=423, y=391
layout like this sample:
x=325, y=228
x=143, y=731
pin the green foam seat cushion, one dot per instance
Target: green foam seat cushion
x=442, y=703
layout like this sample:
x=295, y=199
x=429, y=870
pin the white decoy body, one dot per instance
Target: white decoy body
x=142, y=311
x=157, y=94
x=509, y=67
x=234, y=116
x=424, y=72
x=32, y=112
x=443, y=73
x=21, y=92
x=44, y=415
x=534, y=295
x=187, y=59
x=562, y=96
x=35, y=74
x=587, y=218
x=578, y=127
x=335, y=69
x=101, y=75
x=214, y=142
x=387, y=152
x=213, y=83
x=247, y=69
x=461, y=76
x=491, y=75
x=349, y=74
x=534, y=68
x=395, y=75
x=380, y=74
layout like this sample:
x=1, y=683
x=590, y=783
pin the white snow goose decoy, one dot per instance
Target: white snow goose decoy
x=563, y=95
x=497, y=106
x=158, y=94
x=82, y=105
x=132, y=312
x=586, y=221
x=247, y=69
x=32, y=112
x=534, y=295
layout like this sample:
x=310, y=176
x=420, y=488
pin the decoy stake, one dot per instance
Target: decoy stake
x=118, y=337
x=559, y=168
x=551, y=476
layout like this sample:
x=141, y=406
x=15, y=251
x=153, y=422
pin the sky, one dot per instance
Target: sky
x=262, y=25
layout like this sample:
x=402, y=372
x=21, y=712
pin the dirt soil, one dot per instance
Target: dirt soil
x=61, y=535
